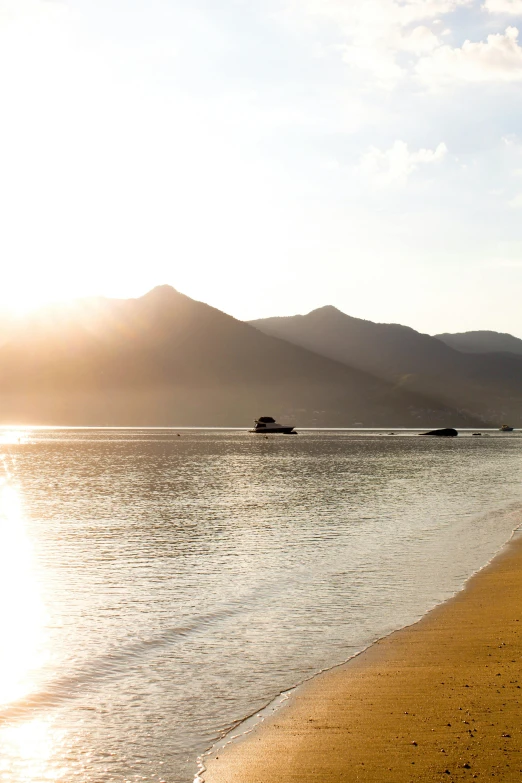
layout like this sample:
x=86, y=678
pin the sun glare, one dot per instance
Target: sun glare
x=33, y=746
x=26, y=748
x=22, y=613
x=20, y=305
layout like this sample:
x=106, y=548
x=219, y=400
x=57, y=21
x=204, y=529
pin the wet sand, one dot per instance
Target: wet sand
x=438, y=701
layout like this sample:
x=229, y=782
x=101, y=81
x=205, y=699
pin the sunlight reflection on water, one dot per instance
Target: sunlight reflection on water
x=23, y=650
x=14, y=436
x=28, y=751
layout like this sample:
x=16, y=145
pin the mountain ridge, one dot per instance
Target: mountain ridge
x=482, y=341
x=486, y=387
x=165, y=359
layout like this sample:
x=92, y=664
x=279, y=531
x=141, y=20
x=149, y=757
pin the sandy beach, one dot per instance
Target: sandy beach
x=438, y=701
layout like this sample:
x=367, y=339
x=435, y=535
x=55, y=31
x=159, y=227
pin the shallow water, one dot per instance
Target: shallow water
x=157, y=589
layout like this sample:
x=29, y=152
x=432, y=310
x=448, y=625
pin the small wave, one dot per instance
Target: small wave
x=111, y=665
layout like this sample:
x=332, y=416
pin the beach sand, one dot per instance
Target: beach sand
x=438, y=701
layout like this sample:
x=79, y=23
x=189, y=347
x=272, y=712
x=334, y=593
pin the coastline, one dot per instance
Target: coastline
x=437, y=700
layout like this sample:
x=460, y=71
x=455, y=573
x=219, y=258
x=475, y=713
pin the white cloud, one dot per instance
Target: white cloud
x=376, y=60
x=504, y=7
x=415, y=10
x=498, y=59
x=374, y=32
x=376, y=13
x=512, y=142
x=420, y=41
x=516, y=202
x=392, y=167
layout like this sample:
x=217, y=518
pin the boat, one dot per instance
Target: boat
x=506, y=428
x=445, y=432
x=266, y=425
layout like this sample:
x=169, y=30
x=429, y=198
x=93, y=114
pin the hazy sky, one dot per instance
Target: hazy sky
x=266, y=156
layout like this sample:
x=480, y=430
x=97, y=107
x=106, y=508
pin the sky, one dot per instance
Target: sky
x=266, y=156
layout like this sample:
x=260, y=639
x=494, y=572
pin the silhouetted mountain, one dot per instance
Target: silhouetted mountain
x=488, y=386
x=482, y=342
x=165, y=359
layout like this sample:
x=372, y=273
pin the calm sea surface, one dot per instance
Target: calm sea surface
x=156, y=589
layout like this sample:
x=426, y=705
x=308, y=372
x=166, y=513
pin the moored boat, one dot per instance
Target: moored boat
x=506, y=428
x=266, y=425
x=445, y=432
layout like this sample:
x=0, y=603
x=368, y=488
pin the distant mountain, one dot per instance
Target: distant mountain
x=482, y=342
x=165, y=359
x=488, y=386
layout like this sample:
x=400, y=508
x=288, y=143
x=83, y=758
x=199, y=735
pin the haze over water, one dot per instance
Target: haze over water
x=157, y=589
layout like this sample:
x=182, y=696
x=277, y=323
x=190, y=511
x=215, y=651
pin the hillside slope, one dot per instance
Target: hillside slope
x=165, y=359
x=488, y=386
x=482, y=342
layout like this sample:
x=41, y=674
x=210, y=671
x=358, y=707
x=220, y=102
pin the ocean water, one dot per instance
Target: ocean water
x=158, y=588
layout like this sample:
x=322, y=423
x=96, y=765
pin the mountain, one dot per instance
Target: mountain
x=482, y=342
x=165, y=359
x=487, y=386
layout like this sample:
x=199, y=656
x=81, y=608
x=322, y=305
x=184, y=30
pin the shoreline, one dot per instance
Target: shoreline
x=345, y=723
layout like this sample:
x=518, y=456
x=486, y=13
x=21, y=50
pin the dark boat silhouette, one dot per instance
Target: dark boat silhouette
x=266, y=424
x=446, y=432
